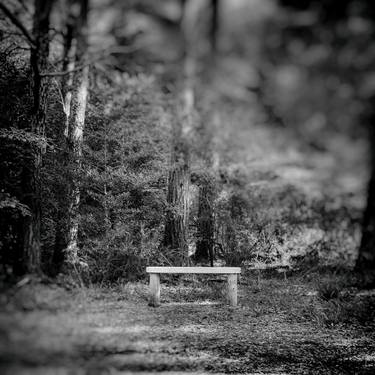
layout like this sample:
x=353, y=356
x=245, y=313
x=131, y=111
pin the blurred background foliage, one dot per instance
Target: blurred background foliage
x=283, y=106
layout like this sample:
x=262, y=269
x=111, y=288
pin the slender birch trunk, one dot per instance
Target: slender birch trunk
x=69, y=60
x=76, y=126
x=75, y=92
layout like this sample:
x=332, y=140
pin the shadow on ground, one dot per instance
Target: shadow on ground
x=274, y=330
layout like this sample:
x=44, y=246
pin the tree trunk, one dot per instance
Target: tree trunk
x=69, y=60
x=75, y=92
x=176, y=223
x=76, y=127
x=178, y=201
x=32, y=172
x=366, y=255
x=206, y=224
x=206, y=221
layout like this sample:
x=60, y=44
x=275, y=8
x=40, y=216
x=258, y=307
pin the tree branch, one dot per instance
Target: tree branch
x=108, y=52
x=65, y=72
x=155, y=13
x=18, y=24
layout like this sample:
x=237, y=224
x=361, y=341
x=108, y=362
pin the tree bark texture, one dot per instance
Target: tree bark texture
x=204, y=56
x=76, y=126
x=75, y=93
x=32, y=172
x=178, y=198
x=176, y=223
x=69, y=62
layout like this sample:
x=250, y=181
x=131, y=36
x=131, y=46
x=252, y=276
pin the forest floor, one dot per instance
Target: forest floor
x=281, y=326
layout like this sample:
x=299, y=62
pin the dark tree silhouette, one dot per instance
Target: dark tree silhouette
x=366, y=255
x=31, y=183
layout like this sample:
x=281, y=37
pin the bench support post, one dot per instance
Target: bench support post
x=232, y=289
x=154, y=289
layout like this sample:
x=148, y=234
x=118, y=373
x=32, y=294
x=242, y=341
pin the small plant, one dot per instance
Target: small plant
x=329, y=290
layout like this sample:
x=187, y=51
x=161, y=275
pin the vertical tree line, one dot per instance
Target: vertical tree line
x=75, y=91
x=177, y=214
x=196, y=38
x=207, y=183
x=75, y=77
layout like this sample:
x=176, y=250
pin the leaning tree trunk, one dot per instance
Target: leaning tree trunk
x=76, y=125
x=366, y=255
x=32, y=173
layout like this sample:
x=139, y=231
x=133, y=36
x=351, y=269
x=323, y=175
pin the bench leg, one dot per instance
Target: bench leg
x=232, y=289
x=154, y=289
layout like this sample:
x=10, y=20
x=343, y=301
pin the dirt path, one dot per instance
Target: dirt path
x=276, y=329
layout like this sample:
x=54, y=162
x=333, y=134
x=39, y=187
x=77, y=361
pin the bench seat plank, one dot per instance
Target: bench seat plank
x=195, y=270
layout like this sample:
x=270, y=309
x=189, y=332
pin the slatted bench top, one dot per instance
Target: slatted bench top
x=196, y=270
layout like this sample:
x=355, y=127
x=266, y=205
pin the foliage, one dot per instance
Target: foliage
x=123, y=188
x=15, y=145
x=287, y=192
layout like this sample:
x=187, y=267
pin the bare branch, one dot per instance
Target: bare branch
x=103, y=55
x=12, y=48
x=18, y=24
x=66, y=72
x=156, y=13
x=24, y=6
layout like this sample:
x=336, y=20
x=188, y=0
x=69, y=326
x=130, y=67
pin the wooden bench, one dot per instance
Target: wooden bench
x=155, y=272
